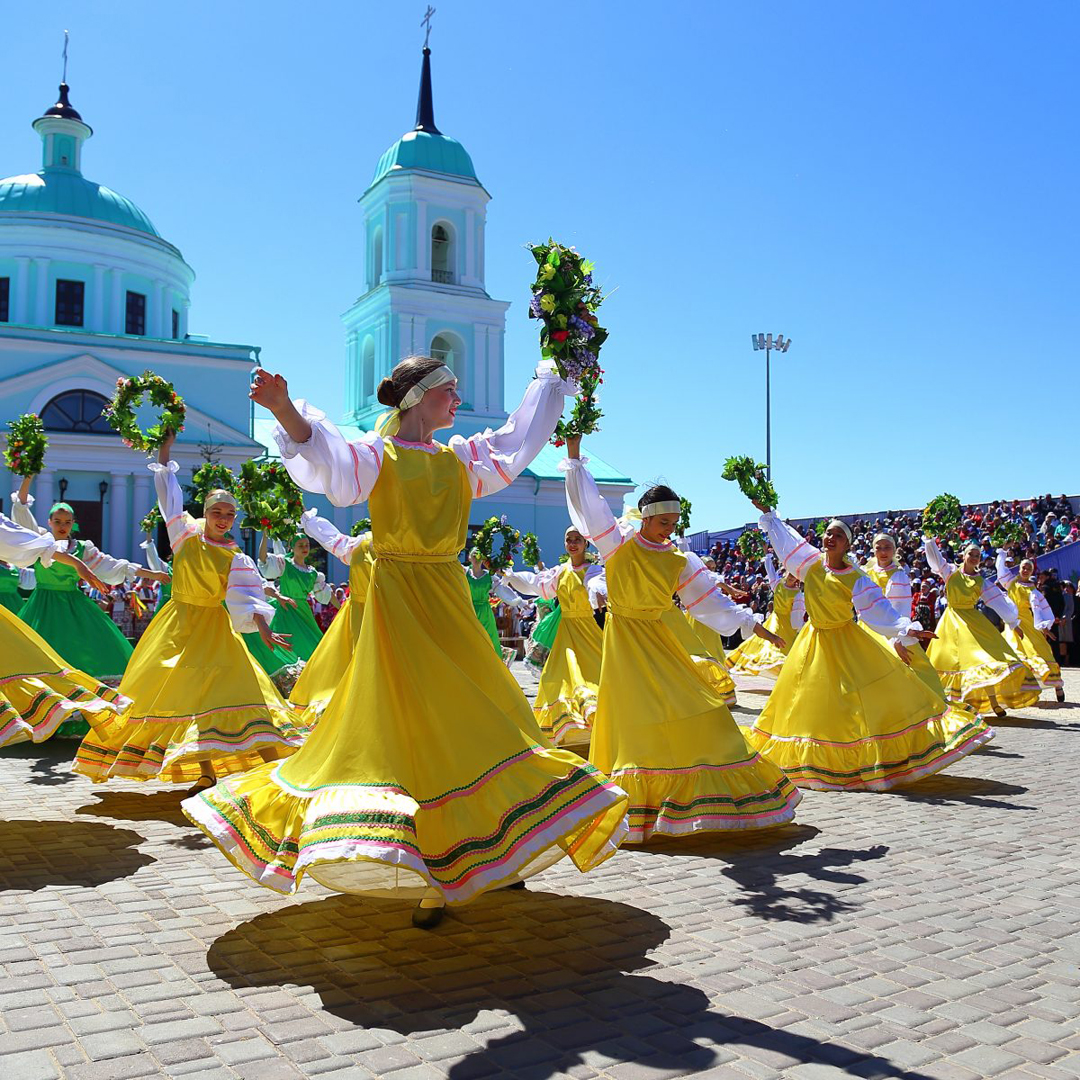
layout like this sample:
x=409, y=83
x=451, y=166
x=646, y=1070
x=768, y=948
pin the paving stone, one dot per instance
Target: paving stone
x=105, y=1045
x=29, y=1065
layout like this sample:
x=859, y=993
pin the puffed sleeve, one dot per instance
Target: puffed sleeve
x=322, y=592
x=1006, y=574
x=502, y=590
x=798, y=612
x=328, y=463
x=936, y=561
x=327, y=535
x=23, y=513
x=22, y=547
x=111, y=570
x=995, y=599
x=544, y=583
x=898, y=591
x=28, y=579
x=153, y=559
x=1044, y=615
x=874, y=609
x=496, y=458
x=589, y=511
x=273, y=566
x=244, y=595
x=703, y=598
x=179, y=524
x=596, y=583
x=771, y=572
x=795, y=552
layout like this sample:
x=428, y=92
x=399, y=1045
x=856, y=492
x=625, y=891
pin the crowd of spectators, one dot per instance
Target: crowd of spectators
x=1048, y=524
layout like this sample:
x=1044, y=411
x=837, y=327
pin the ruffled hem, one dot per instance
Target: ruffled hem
x=765, y=662
x=568, y=720
x=878, y=762
x=716, y=676
x=750, y=794
x=174, y=749
x=366, y=839
x=35, y=707
x=1013, y=685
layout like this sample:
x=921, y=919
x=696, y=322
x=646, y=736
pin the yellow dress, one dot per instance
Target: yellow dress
x=920, y=662
x=710, y=667
x=846, y=713
x=1032, y=648
x=195, y=692
x=975, y=663
x=332, y=656
x=757, y=658
x=427, y=768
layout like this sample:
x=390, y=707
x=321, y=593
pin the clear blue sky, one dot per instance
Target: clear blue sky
x=894, y=186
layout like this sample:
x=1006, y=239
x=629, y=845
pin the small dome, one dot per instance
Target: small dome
x=55, y=191
x=423, y=150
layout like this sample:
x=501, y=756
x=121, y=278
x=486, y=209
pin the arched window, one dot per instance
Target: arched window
x=445, y=348
x=376, y=256
x=367, y=368
x=78, y=411
x=442, y=255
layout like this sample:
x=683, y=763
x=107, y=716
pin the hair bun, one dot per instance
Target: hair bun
x=387, y=395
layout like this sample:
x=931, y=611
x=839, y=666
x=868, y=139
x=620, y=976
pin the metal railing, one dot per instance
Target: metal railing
x=442, y=277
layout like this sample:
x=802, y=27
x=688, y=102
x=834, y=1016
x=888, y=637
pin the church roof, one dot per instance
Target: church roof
x=52, y=191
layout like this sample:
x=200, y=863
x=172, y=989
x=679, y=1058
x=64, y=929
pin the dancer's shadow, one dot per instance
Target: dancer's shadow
x=35, y=854
x=992, y=751
x=566, y=967
x=137, y=806
x=940, y=790
x=1030, y=722
x=50, y=761
x=759, y=860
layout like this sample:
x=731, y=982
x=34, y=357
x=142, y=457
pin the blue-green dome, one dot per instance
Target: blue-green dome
x=65, y=191
x=423, y=150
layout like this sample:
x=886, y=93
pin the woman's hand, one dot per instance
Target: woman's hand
x=923, y=635
x=164, y=450
x=768, y=635
x=1018, y=632
x=154, y=575
x=84, y=571
x=573, y=447
x=285, y=601
x=272, y=392
x=902, y=652
x=269, y=638
x=24, y=489
x=760, y=506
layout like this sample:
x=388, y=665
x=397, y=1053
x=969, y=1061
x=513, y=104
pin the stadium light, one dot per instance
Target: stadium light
x=765, y=343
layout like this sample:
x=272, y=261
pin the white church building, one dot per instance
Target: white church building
x=89, y=292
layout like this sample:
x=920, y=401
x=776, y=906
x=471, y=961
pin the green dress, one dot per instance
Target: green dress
x=73, y=624
x=480, y=588
x=543, y=633
x=299, y=622
x=9, y=590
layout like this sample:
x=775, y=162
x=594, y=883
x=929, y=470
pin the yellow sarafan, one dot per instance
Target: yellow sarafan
x=710, y=666
x=757, y=657
x=566, y=697
x=846, y=713
x=1032, y=648
x=427, y=768
x=662, y=731
x=331, y=658
x=38, y=691
x=975, y=663
x=195, y=692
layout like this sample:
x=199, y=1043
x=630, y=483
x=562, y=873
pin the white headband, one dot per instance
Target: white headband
x=669, y=507
x=213, y=498
x=843, y=525
x=439, y=377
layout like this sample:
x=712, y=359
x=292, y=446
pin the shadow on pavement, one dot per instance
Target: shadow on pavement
x=50, y=761
x=758, y=860
x=137, y=806
x=941, y=789
x=1034, y=723
x=565, y=967
x=36, y=854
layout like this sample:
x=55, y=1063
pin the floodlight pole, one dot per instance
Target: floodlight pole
x=766, y=342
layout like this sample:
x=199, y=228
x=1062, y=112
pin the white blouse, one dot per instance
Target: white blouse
x=22, y=547
x=545, y=583
x=1040, y=609
x=327, y=535
x=991, y=595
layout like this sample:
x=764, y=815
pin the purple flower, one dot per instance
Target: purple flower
x=582, y=327
x=534, y=305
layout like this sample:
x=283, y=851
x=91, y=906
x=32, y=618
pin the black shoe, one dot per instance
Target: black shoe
x=427, y=918
x=999, y=712
x=1060, y=694
x=516, y=885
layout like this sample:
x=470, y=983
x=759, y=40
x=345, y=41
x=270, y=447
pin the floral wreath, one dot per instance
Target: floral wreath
x=752, y=480
x=360, y=527
x=942, y=515
x=1006, y=533
x=120, y=412
x=684, y=516
x=484, y=542
x=211, y=477
x=530, y=549
x=24, y=454
x=565, y=300
x=152, y=520
x=752, y=545
x=269, y=498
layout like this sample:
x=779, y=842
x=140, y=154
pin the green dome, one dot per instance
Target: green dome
x=423, y=150
x=64, y=191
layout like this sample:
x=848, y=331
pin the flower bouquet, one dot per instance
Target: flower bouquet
x=752, y=481
x=120, y=412
x=565, y=300
x=24, y=454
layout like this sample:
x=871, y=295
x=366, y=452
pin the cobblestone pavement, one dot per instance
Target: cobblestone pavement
x=925, y=933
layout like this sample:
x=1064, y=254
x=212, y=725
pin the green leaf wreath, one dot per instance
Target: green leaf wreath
x=684, y=517
x=530, y=549
x=941, y=518
x=1008, y=533
x=752, y=481
x=752, y=545
x=820, y=527
x=120, y=412
x=211, y=477
x=27, y=442
x=484, y=543
x=150, y=523
x=565, y=300
x=360, y=527
x=269, y=499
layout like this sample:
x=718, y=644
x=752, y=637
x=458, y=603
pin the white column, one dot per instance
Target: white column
x=423, y=242
x=20, y=306
x=118, y=541
x=153, y=315
x=43, y=494
x=41, y=307
x=142, y=500
x=166, y=313
x=480, y=371
x=116, y=304
x=480, y=242
x=470, y=248
x=352, y=371
x=98, y=305
x=495, y=369
x=185, y=308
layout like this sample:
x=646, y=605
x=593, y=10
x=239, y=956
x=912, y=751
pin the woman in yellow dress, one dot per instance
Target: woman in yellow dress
x=757, y=657
x=566, y=696
x=200, y=707
x=38, y=691
x=332, y=656
x=847, y=714
x=661, y=731
x=894, y=582
x=977, y=666
x=1036, y=620
x=427, y=775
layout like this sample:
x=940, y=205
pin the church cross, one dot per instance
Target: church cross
x=426, y=23
x=64, y=79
